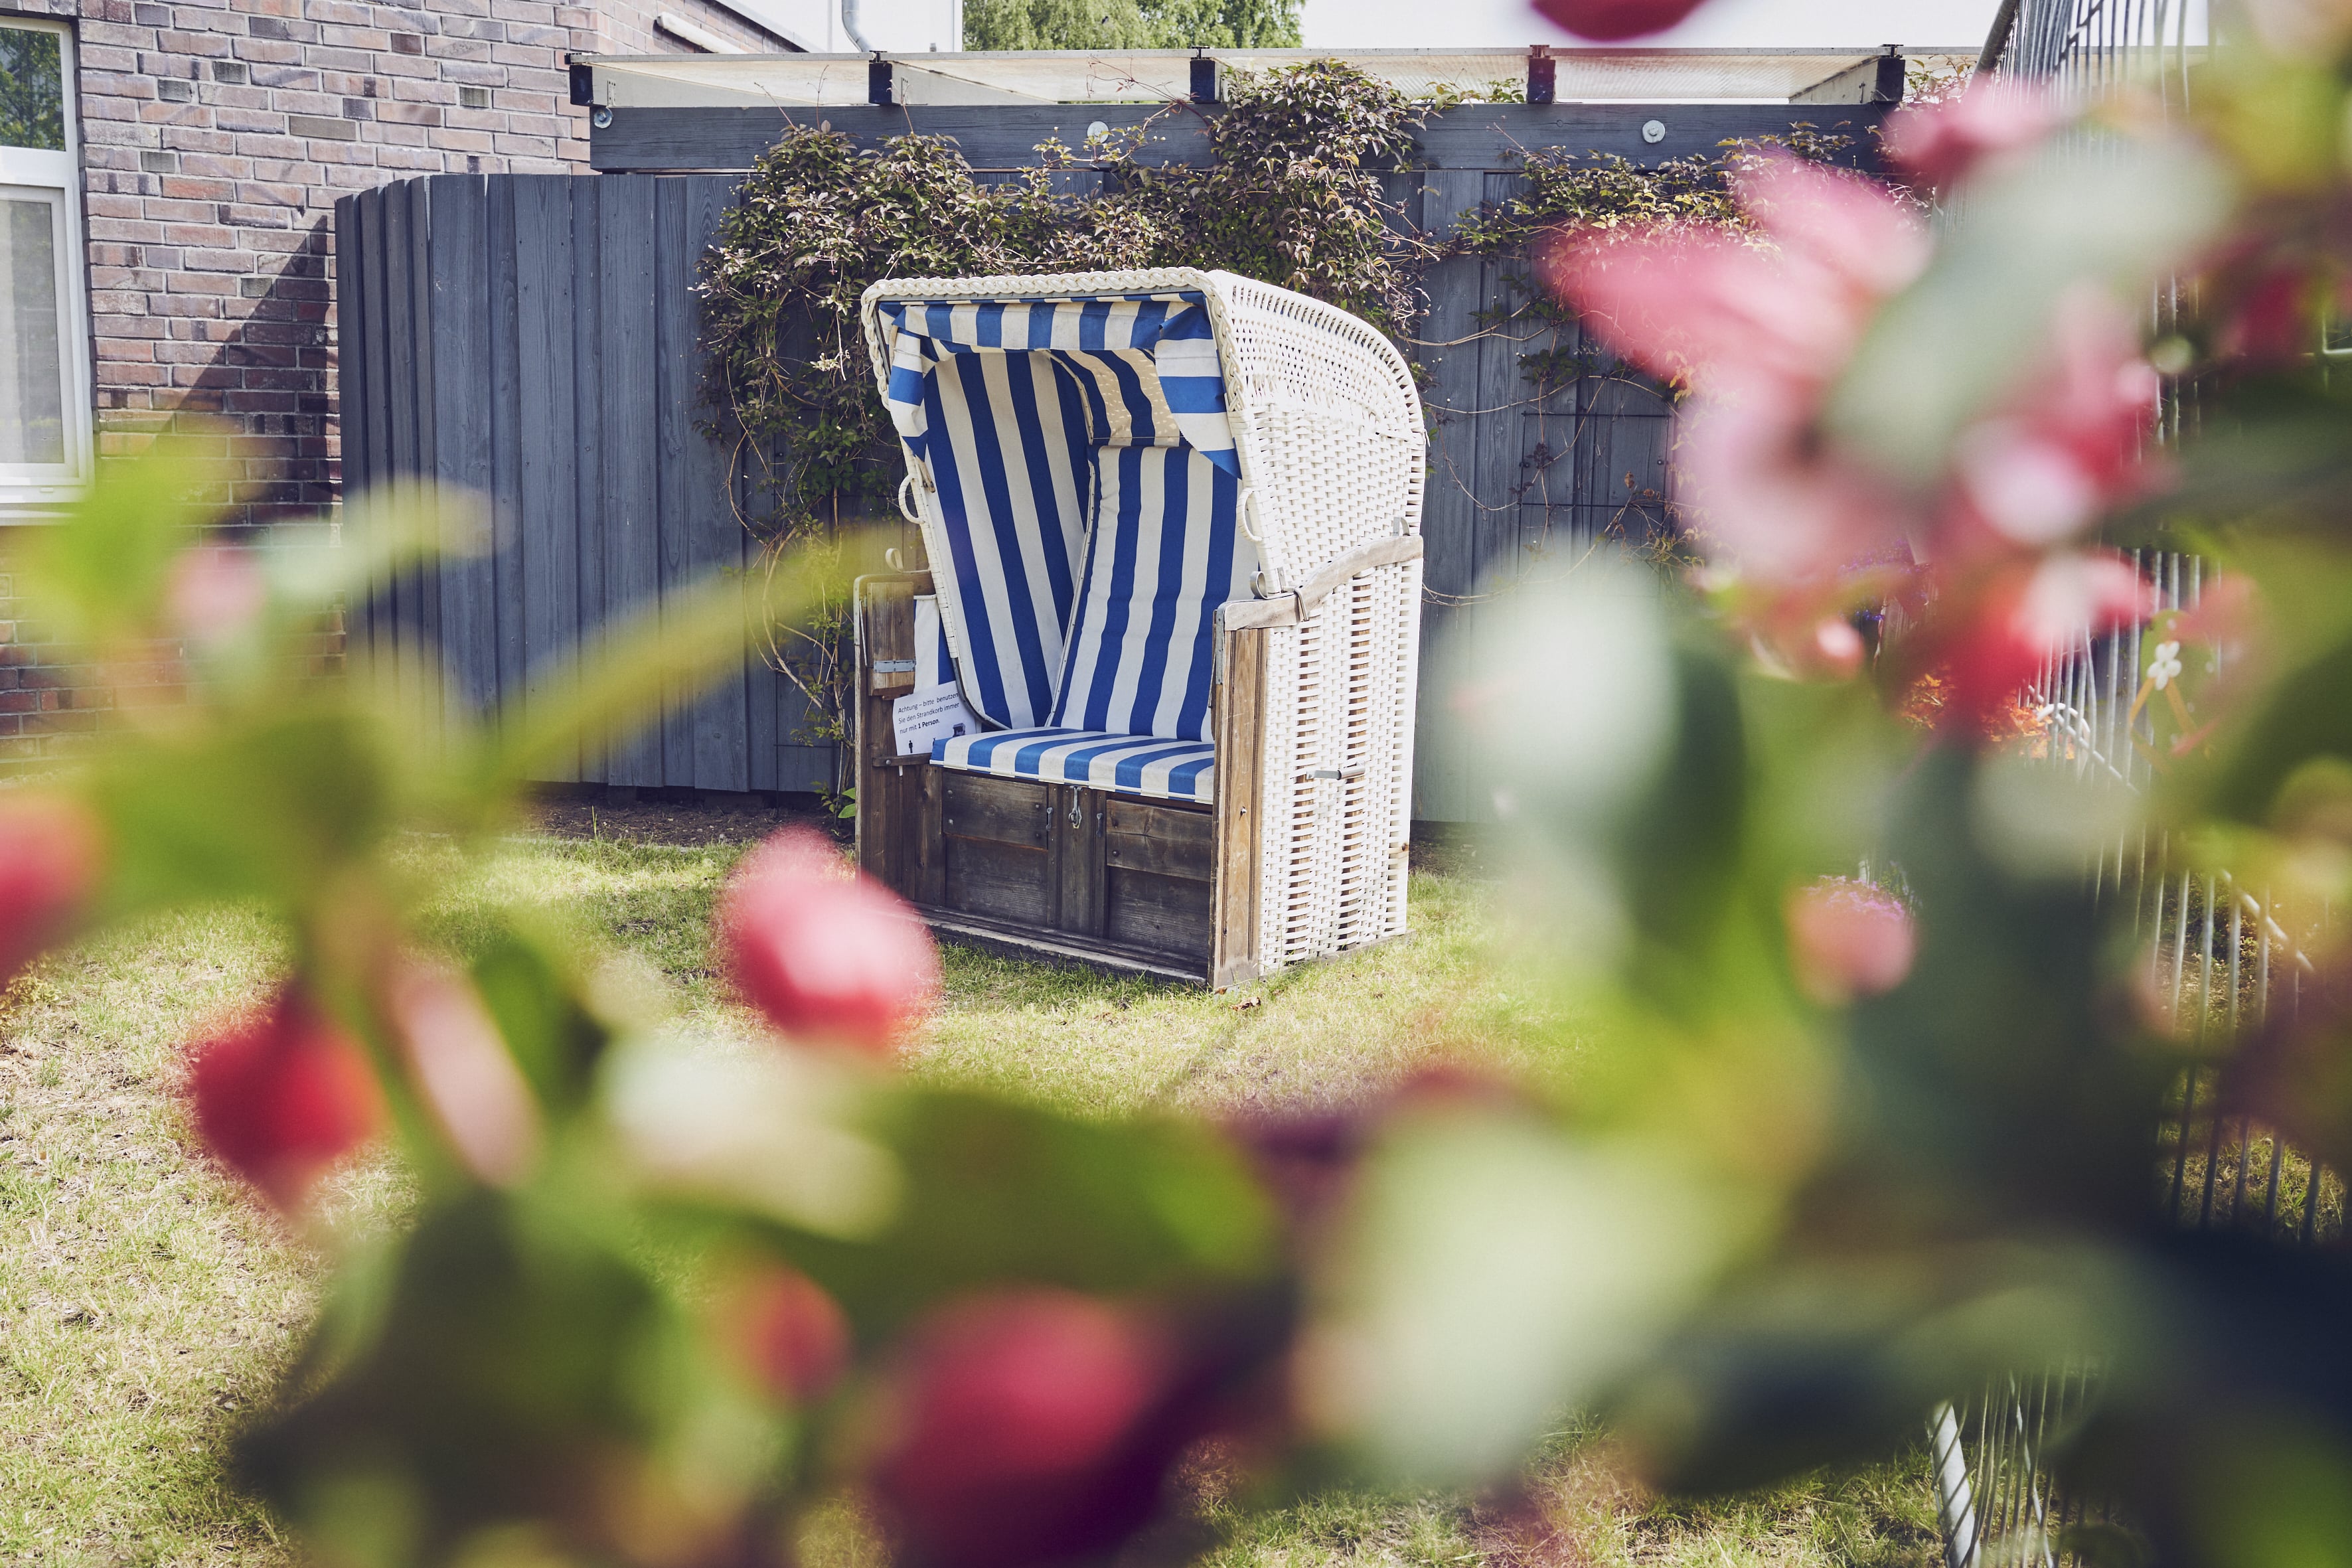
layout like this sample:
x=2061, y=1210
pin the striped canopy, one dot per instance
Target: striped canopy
x=1085, y=502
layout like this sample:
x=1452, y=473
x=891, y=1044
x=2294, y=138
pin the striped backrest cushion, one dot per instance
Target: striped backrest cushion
x=1163, y=554
x=1038, y=423
x=1009, y=478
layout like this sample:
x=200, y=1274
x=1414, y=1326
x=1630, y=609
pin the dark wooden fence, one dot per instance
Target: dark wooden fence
x=532, y=338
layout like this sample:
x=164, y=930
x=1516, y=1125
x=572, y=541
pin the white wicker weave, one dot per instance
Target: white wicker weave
x=1328, y=432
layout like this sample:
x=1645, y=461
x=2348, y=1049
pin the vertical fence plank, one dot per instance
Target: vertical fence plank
x=673, y=373
x=1448, y=351
x=419, y=330
x=507, y=437
x=547, y=492
x=585, y=539
x=721, y=720
x=350, y=360
x=383, y=610
x=462, y=461
x=627, y=409
x=398, y=346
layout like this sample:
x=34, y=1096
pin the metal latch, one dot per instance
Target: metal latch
x=894, y=667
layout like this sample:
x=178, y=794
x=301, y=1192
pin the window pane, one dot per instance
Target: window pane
x=32, y=367
x=32, y=91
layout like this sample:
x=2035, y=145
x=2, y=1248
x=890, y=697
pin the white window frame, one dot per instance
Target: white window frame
x=34, y=492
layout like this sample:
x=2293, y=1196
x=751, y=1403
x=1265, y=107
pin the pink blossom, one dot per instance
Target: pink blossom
x=1758, y=332
x=1607, y=21
x=2042, y=470
x=1990, y=636
x=1942, y=144
x=1848, y=939
x=214, y=594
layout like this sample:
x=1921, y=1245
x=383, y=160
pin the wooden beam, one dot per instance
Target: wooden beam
x=1487, y=136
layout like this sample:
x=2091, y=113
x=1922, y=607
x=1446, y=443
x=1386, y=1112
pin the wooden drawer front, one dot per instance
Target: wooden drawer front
x=994, y=836
x=1164, y=841
x=1004, y=811
x=1159, y=915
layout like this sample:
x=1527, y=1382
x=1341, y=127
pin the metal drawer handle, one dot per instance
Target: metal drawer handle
x=1344, y=773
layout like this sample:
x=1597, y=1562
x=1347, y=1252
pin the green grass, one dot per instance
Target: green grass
x=144, y=1307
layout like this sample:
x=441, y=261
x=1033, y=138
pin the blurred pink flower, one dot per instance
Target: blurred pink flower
x=1848, y=939
x=1992, y=636
x=1606, y=21
x=829, y=954
x=1028, y=1428
x=1758, y=332
x=1940, y=144
x=214, y=594
x=2072, y=445
x=51, y=853
x=282, y=1095
x=466, y=1074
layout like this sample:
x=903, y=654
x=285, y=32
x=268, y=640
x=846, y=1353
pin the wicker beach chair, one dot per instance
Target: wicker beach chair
x=1171, y=522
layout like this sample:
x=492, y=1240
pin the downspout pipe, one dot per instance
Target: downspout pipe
x=849, y=25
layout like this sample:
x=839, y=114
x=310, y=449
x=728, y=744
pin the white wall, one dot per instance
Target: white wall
x=907, y=25
x=1722, y=24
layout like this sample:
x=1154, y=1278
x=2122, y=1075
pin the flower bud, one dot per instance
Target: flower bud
x=1606, y=21
x=828, y=955
x=794, y=1334
x=283, y=1095
x=1848, y=939
x=1027, y=1429
x=50, y=854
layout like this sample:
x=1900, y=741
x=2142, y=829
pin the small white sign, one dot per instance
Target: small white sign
x=932, y=713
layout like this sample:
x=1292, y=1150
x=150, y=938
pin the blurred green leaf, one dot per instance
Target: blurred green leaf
x=999, y=1194
x=2108, y=212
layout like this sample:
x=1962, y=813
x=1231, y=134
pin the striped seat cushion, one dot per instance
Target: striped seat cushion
x=1154, y=768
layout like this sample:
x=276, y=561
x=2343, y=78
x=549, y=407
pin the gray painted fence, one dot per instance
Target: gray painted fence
x=532, y=338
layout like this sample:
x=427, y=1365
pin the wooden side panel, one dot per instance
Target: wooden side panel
x=1240, y=707
x=629, y=460
x=1078, y=818
x=890, y=797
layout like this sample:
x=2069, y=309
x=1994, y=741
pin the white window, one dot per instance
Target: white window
x=45, y=452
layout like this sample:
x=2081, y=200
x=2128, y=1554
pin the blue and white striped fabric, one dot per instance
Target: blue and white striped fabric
x=1084, y=527
x=1148, y=364
x=1009, y=457
x=1155, y=768
x=934, y=663
x=1164, y=554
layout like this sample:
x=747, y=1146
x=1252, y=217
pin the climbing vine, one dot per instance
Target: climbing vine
x=1292, y=192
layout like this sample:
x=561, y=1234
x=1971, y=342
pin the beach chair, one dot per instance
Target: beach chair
x=1166, y=633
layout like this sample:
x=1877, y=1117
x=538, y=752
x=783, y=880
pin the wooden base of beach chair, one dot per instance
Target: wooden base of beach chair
x=1062, y=872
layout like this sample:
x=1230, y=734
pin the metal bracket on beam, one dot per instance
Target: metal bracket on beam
x=584, y=82
x=880, y=83
x=1204, y=80
x=1543, y=74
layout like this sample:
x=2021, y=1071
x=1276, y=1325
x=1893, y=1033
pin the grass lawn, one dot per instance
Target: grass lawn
x=145, y=1306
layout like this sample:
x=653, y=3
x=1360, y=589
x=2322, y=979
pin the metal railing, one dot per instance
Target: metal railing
x=2221, y=960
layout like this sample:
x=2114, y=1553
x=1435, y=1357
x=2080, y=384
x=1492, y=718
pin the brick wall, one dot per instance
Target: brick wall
x=216, y=136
